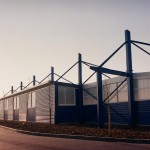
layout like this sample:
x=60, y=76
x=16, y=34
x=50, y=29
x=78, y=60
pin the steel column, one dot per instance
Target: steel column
x=34, y=80
x=12, y=90
x=130, y=79
x=100, y=100
x=21, y=85
x=56, y=103
x=80, y=101
x=52, y=73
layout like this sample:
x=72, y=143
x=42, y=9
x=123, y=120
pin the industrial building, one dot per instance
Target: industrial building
x=54, y=102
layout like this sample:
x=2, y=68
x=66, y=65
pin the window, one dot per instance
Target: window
x=66, y=95
x=16, y=103
x=31, y=100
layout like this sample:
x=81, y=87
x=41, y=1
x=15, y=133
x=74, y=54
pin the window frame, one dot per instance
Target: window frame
x=65, y=96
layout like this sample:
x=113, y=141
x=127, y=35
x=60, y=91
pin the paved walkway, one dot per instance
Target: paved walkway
x=10, y=140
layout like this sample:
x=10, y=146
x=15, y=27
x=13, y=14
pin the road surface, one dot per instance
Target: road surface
x=10, y=140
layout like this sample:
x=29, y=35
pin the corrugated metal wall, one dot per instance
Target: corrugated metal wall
x=34, y=106
x=39, y=105
x=43, y=105
x=23, y=99
x=5, y=109
x=1, y=109
x=31, y=115
x=143, y=112
x=10, y=108
x=118, y=113
x=119, y=100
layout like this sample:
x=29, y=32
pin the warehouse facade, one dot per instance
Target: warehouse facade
x=41, y=104
x=128, y=96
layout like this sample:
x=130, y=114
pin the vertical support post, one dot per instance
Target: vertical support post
x=34, y=80
x=56, y=104
x=21, y=85
x=52, y=74
x=12, y=90
x=130, y=79
x=100, y=100
x=80, y=101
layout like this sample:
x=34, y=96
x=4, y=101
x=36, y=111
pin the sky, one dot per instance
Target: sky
x=38, y=34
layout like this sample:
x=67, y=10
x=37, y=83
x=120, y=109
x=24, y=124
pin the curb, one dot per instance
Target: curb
x=80, y=137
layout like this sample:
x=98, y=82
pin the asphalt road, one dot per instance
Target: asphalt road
x=10, y=140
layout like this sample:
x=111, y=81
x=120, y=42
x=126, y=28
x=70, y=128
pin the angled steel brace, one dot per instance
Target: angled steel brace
x=90, y=94
x=148, y=44
x=116, y=112
x=114, y=90
x=109, y=71
x=140, y=48
x=106, y=61
x=67, y=71
x=63, y=78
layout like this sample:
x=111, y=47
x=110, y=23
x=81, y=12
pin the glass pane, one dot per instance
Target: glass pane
x=61, y=95
x=70, y=95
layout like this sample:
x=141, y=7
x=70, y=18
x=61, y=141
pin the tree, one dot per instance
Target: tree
x=107, y=93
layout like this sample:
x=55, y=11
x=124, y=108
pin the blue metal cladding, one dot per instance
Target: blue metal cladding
x=90, y=113
x=142, y=112
x=67, y=114
x=118, y=112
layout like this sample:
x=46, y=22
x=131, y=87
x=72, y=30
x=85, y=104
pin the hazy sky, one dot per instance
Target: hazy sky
x=38, y=34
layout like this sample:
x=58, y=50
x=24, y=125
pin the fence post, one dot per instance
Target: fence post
x=130, y=79
x=34, y=80
x=80, y=100
x=52, y=74
x=100, y=100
